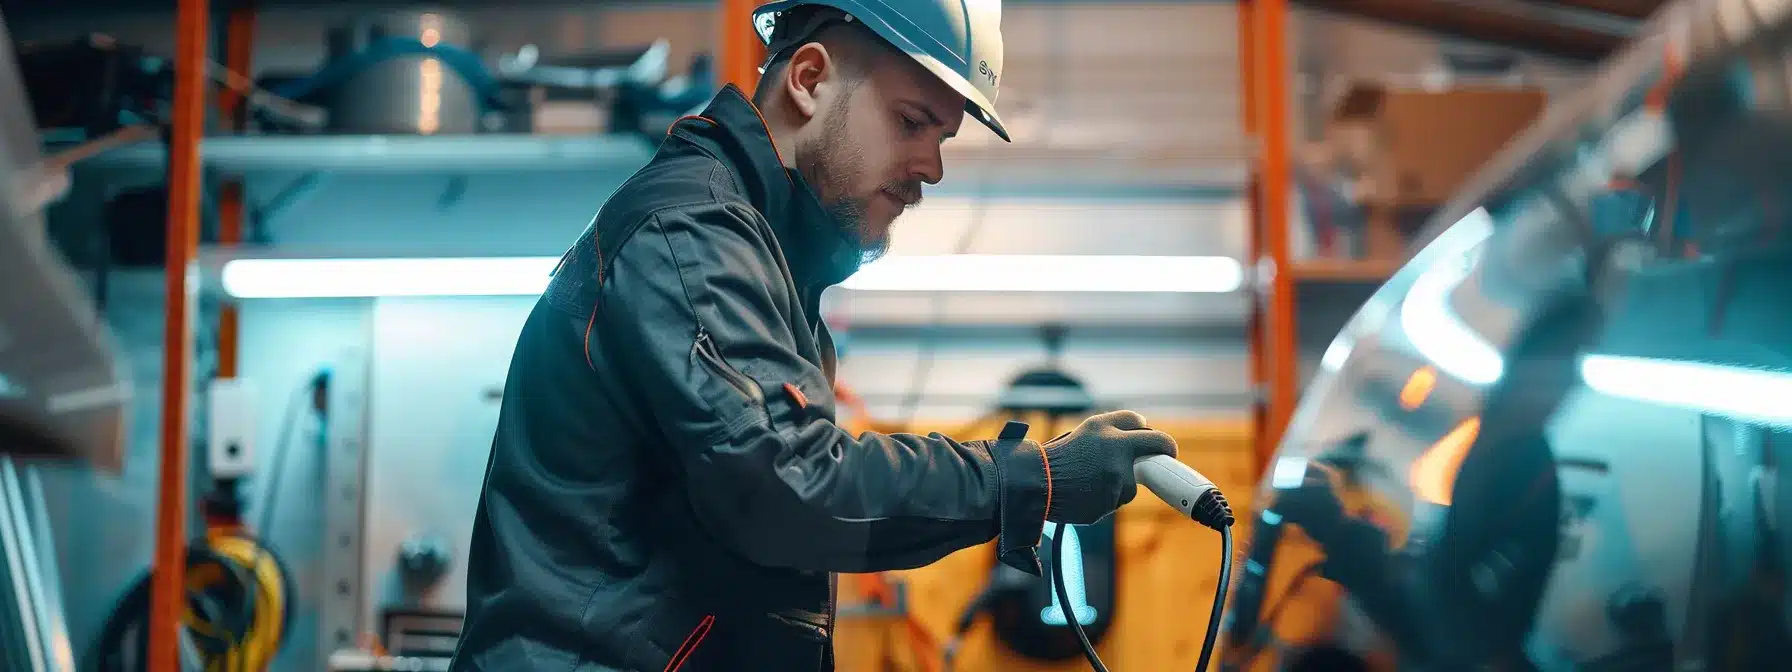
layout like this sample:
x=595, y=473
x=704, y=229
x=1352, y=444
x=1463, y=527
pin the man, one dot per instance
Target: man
x=667, y=488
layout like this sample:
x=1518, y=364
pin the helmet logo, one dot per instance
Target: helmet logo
x=987, y=72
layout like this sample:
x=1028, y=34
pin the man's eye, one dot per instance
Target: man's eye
x=910, y=125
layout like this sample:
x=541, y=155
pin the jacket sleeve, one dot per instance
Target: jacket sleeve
x=688, y=311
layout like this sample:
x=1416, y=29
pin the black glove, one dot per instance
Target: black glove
x=1077, y=478
x=1090, y=467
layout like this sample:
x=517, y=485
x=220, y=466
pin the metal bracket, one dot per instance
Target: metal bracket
x=1259, y=276
x=344, y=493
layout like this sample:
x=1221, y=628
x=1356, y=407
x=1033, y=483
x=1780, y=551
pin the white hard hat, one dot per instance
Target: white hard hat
x=959, y=41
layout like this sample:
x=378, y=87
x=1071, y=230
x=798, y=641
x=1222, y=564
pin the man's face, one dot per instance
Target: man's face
x=877, y=141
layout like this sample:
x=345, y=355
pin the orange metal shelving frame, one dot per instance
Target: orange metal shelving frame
x=239, y=48
x=741, y=52
x=187, y=130
x=1263, y=74
x=168, y=589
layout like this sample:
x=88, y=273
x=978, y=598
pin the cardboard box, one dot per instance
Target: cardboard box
x=1409, y=147
x=1338, y=227
x=1387, y=231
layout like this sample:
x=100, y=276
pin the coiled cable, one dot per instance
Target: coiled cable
x=238, y=610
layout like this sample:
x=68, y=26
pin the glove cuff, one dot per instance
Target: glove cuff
x=1024, y=492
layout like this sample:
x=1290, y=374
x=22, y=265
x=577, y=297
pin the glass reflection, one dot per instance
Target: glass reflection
x=1551, y=441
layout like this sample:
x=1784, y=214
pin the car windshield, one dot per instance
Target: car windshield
x=1595, y=349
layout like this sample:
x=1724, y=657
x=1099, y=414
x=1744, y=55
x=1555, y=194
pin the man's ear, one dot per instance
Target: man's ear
x=810, y=68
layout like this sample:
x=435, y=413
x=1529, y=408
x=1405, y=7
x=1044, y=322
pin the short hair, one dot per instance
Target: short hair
x=852, y=46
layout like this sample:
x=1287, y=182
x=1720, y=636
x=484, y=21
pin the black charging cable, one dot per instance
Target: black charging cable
x=1211, y=510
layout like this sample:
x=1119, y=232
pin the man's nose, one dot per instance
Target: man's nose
x=930, y=167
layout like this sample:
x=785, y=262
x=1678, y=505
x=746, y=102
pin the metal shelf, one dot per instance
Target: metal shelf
x=995, y=172
x=1085, y=173
x=249, y=154
x=1345, y=270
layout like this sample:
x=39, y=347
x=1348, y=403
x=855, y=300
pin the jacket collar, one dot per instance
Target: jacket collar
x=819, y=256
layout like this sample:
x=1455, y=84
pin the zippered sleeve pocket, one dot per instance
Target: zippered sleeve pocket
x=738, y=399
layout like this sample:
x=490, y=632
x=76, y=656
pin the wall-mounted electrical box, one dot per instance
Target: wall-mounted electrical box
x=230, y=434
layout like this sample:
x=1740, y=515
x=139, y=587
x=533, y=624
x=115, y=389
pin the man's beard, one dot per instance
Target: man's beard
x=832, y=164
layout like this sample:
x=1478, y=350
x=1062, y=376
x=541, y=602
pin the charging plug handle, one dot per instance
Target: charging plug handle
x=1184, y=489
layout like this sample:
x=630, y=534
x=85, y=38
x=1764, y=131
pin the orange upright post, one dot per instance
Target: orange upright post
x=1269, y=88
x=239, y=47
x=741, y=51
x=1247, y=75
x=1256, y=339
x=167, y=589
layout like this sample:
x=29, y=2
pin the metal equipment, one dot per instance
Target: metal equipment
x=415, y=72
x=420, y=94
x=1551, y=441
x=388, y=485
x=343, y=614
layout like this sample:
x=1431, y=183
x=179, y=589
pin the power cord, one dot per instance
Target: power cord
x=314, y=394
x=1211, y=510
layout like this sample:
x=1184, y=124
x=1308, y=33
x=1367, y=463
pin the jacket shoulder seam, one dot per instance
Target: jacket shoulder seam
x=717, y=164
x=653, y=216
x=684, y=283
x=726, y=174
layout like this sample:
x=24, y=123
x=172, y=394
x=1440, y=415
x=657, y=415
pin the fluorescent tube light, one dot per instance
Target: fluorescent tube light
x=1749, y=395
x=522, y=276
x=1048, y=273
x=339, y=278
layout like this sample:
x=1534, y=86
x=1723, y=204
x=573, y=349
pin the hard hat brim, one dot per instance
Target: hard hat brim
x=975, y=104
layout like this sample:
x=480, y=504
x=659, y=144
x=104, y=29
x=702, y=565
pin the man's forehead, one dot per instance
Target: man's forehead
x=901, y=78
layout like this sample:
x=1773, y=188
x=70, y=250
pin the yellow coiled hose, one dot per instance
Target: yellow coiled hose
x=237, y=609
x=255, y=650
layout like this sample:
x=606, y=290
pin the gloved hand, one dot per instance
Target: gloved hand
x=1091, y=466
